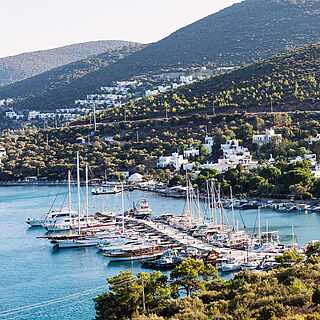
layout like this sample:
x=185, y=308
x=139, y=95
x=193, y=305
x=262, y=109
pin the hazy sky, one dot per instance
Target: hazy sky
x=28, y=25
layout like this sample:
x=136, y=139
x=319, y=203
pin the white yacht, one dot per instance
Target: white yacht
x=65, y=223
x=231, y=265
x=106, y=190
x=142, y=209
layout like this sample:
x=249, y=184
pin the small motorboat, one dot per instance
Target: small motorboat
x=106, y=190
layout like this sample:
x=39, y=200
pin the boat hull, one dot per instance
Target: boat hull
x=134, y=258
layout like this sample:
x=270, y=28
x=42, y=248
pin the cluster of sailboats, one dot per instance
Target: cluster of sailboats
x=134, y=235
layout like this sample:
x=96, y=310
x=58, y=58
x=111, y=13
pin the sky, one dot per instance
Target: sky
x=28, y=25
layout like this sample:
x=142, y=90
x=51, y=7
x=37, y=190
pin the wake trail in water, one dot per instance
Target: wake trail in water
x=15, y=312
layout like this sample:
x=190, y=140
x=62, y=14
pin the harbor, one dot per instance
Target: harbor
x=85, y=268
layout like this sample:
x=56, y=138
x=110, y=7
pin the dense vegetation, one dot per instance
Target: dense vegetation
x=194, y=291
x=246, y=32
x=289, y=82
x=26, y=65
x=137, y=146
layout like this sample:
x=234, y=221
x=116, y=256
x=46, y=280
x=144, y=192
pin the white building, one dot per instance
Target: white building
x=312, y=158
x=188, y=167
x=33, y=115
x=268, y=137
x=191, y=153
x=3, y=153
x=233, y=155
x=135, y=178
x=11, y=114
x=175, y=160
x=208, y=144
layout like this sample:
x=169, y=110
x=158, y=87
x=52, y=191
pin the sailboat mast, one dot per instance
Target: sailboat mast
x=259, y=225
x=78, y=188
x=232, y=208
x=214, y=202
x=122, y=203
x=198, y=205
x=188, y=201
x=87, y=193
x=69, y=194
x=221, y=207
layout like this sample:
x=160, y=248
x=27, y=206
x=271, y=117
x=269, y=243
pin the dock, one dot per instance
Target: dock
x=183, y=239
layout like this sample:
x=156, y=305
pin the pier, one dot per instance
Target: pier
x=183, y=239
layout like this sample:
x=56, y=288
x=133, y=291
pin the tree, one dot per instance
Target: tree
x=131, y=295
x=189, y=275
x=123, y=299
x=289, y=257
x=313, y=249
x=245, y=132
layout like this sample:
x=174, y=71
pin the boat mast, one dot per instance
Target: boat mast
x=122, y=203
x=232, y=208
x=87, y=194
x=199, y=209
x=69, y=194
x=259, y=225
x=78, y=188
x=189, y=213
x=214, y=202
x=221, y=207
x=208, y=199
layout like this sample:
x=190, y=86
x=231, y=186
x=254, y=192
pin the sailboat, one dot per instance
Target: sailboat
x=51, y=217
x=68, y=219
x=82, y=239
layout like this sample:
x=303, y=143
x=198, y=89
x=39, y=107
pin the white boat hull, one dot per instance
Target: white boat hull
x=34, y=222
x=135, y=258
x=76, y=243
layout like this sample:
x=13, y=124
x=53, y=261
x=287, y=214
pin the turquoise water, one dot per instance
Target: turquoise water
x=39, y=283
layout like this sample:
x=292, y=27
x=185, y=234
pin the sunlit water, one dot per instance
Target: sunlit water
x=39, y=283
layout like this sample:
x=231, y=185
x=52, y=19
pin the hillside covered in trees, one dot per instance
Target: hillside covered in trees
x=243, y=33
x=194, y=291
x=48, y=154
x=288, y=82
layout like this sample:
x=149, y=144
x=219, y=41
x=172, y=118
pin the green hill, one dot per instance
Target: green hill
x=243, y=33
x=288, y=82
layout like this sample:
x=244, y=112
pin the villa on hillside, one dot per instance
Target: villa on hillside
x=175, y=160
x=233, y=155
x=268, y=137
x=312, y=158
x=191, y=153
x=208, y=144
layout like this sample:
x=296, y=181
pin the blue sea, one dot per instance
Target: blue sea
x=40, y=283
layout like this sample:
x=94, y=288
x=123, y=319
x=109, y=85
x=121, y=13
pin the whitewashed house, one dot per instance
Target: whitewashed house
x=268, y=137
x=312, y=158
x=191, y=153
x=208, y=144
x=175, y=160
x=233, y=155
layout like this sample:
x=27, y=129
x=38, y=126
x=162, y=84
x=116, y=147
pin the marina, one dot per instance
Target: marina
x=75, y=271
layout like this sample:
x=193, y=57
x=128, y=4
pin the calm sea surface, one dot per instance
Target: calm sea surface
x=39, y=283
